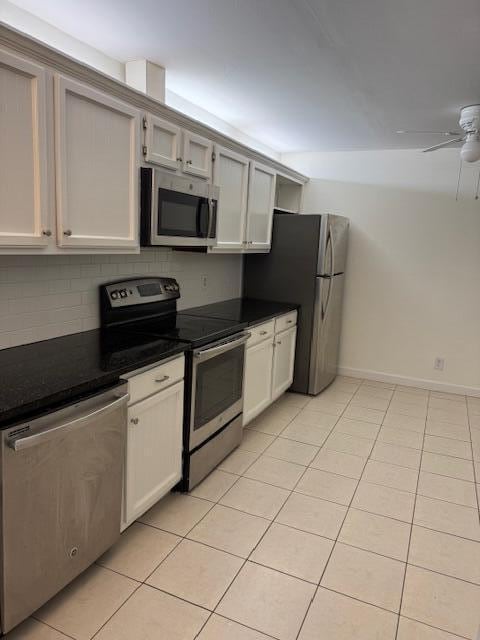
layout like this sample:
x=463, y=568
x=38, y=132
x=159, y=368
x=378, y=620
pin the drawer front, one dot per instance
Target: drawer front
x=155, y=379
x=260, y=332
x=286, y=322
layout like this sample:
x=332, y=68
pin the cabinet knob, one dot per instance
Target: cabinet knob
x=67, y=232
x=134, y=420
x=188, y=162
x=46, y=232
x=279, y=342
x=179, y=159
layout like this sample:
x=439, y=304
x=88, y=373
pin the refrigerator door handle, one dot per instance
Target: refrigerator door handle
x=324, y=309
x=329, y=258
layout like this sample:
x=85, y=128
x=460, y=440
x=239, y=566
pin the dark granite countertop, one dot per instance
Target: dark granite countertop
x=244, y=310
x=38, y=376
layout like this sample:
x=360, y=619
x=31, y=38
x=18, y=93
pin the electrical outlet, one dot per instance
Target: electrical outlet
x=204, y=282
x=439, y=364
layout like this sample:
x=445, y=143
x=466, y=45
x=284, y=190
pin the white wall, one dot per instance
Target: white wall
x=413, y=272
x=44, y=297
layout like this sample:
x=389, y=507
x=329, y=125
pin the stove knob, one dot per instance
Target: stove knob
x=114, y=295
x=123, y=293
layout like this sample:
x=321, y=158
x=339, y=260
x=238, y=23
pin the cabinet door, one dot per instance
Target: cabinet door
x=23, y=154
x=230, y=173
x=154, y=450
x=162, y=142
x=258, y=379
x=197, y=155
x=261, y=198
x=283, y=361
x=96, y=168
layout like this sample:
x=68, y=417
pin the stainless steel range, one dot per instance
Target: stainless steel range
x=214, y=365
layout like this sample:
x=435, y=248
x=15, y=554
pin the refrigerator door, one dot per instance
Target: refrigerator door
x=333, y=245
x=326, y=332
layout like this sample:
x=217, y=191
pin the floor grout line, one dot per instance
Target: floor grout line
x=337, y=536
x=411, y=530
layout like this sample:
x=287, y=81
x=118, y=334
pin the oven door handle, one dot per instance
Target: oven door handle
x=209, y=352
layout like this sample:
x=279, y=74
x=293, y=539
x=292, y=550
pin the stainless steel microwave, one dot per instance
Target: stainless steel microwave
x=177, y=211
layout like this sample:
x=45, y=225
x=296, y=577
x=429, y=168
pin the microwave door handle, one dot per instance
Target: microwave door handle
x=203, y=214
x=199, y=218
x=210, y=217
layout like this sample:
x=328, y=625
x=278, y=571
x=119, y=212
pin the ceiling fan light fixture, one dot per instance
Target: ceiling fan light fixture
x=470, y=151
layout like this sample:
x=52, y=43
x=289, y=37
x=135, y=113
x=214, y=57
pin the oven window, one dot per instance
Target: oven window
x=180, y=214
x=219, y=384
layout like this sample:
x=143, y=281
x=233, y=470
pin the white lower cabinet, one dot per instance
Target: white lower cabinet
x=283, y=361
x=258, y=379
x=153, y=463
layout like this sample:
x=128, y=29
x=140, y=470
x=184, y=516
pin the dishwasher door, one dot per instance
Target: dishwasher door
x=61, y=498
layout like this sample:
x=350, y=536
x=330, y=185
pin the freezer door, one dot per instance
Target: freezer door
x=333, y=245
x=326, y=332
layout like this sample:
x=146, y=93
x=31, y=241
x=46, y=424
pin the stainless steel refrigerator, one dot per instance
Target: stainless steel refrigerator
x=306, y=265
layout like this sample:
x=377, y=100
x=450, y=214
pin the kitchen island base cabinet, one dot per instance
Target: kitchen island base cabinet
x=154, y=450
x=258, y=379
x=283, y=361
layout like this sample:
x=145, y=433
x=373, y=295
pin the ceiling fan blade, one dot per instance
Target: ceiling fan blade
x=430, y=133
x=443, y=144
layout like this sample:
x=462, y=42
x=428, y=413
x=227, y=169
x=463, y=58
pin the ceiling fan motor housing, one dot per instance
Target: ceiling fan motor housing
x=470, y=118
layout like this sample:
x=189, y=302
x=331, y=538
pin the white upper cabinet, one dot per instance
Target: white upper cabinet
x=24, y=220
x=261, y=198
x=230, y=173
x=283, y=361
x=96, y=153
x=162, y=142
x=197, y=155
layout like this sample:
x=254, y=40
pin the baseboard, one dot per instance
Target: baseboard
x=422, y=383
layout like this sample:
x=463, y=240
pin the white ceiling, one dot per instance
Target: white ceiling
x=299, y=74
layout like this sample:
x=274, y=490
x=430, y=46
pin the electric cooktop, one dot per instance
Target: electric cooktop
x=196, y=330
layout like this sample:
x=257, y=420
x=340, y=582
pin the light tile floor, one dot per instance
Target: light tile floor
x=352, y=515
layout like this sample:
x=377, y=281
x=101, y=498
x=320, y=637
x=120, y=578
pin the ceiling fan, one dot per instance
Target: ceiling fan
x=470, y=124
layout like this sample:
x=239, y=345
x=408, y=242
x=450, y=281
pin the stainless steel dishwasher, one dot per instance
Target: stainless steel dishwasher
x=61, y=498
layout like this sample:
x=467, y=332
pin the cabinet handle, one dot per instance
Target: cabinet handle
x=134, y=420
x=289, y=321
x=46, y=232
x=162, y=379
x=263, y=333
x=67, y=232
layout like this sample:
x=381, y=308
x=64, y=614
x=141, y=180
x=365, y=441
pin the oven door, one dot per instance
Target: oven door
x=217, y=387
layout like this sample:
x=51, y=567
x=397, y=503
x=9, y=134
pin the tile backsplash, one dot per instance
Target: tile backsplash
x=44, y=297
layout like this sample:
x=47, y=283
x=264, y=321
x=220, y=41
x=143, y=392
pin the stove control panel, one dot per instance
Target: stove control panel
x=127, y=293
